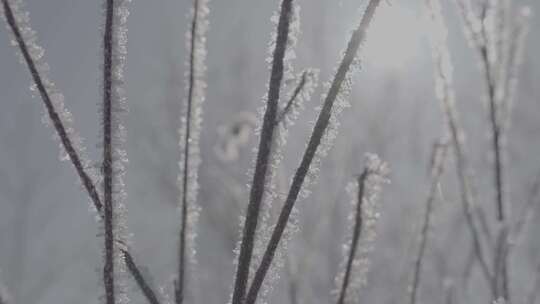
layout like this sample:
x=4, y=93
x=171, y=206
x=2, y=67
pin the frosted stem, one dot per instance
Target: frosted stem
x=74, y=152
x=438, y=165
x=322, y=123
x=290, y=103
x=139, y=279
x=54, y=116
x=263, y=155
x=357, y=230
x=108, y=268
x=189, y=144
x=446, y=96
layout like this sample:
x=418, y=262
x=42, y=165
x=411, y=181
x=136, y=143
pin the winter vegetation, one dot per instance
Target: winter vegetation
x=413, y=177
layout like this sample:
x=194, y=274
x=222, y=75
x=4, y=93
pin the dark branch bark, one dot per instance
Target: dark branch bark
x=108, y=208
x=180, y=282
x=137, y=276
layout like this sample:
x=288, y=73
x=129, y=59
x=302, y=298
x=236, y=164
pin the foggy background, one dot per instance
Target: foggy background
x=49, y=249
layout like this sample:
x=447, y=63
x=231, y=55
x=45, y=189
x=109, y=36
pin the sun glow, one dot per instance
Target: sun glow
x=394, y=38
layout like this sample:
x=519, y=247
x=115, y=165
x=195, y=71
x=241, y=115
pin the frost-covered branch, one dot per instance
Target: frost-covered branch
x=290, y=104
x=437, y=168
x=139, y=279
x=498, y=34
x=108, y=268
x=362, y=220
x=498, y=37
x=18, y=23
x=263, y=155
x=340, y=85
x=445, y=94
x=71, y=145
x=357, y=230
x=189, y=142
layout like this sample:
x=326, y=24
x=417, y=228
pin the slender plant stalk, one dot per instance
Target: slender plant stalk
x=139, y=279
x=180, y=283
x=108, y=208
x=491, y=84
x=291, y=101
x=51, y=111
x=496, y=133
x=447, y=98
x=357, y=231
x=322, y=123
x=60, y=127
x=500, y=58
x=437, y=170
x=263, y=155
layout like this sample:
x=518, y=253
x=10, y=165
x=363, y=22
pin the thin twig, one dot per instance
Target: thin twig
x=447, y=99
x=436, y=173
x=291, y=101
x=137, y=276
x=57, y=122
x=51, y=111
x=357, y=231
x=496, y=130
x=322, y=123
x=263, y=155
x=180, y=282
x=108, y=208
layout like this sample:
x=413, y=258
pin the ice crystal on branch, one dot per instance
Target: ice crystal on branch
x=190, y=129
x=362, y=219
x=71, y=146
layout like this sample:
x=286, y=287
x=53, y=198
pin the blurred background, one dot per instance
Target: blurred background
x=50, y=251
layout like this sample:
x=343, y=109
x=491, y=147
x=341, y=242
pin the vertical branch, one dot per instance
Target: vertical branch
x=439, y=155
x=179, y=287
x=263, y=155
x=189, y=142
x=319, y=129
x=357, y=230
x=499, y=43
x=486, y=56
x=108, y=269
x=354, y=266
x=445, y=94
